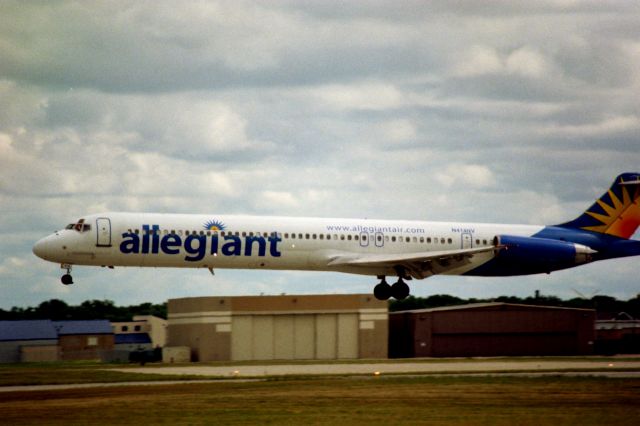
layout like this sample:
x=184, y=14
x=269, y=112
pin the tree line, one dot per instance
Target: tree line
x=58, y=310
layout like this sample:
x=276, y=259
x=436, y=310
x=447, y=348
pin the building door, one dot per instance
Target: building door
x=103, y=228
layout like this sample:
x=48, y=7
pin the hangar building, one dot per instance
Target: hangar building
x=31, y=340
x=279, y=327
x=491, y=329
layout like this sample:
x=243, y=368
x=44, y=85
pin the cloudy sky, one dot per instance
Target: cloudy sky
x=488, y=111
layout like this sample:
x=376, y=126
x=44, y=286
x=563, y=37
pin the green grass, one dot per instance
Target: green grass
x=72, y=372
x=319, y=401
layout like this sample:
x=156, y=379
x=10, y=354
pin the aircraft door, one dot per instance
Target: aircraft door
x=467, y=241
x=364, y=239
x=379, y=239
x=103, y=228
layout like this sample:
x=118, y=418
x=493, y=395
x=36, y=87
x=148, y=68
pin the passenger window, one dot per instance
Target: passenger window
x=393, y=239
x=441, y=240
x=429, y=240
x=315, y=236
x=355, y=237
x=342, y=237
x=484, y=242
x=137, y=231
x=407, y=239
x=349, y=237
x=322, y=236
x=450, y=241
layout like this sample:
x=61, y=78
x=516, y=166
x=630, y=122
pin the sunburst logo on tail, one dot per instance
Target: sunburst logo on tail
x=617, y=212
x=214, y=225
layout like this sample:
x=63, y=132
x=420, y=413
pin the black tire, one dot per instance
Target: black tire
x=382, y=291
x=66, y=279
x=400, y=290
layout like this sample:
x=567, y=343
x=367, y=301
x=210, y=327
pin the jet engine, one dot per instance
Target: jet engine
x=540, y=254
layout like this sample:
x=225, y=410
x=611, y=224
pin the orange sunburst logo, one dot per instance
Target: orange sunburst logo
x=621, y=216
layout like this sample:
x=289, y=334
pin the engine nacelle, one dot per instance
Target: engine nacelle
x=540, y=254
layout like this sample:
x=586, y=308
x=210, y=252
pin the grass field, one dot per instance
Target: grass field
x=351, y=401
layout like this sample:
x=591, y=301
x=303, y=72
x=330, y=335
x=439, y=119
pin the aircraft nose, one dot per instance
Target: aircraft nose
x=41, y=248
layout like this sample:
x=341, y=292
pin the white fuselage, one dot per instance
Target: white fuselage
x=252, y=242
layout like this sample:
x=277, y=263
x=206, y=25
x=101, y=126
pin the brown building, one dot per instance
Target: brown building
x=620, y=335
x=88, y=340
x=491, y=329
x=279, y=327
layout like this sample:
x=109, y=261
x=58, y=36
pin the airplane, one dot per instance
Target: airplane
x=382, y=248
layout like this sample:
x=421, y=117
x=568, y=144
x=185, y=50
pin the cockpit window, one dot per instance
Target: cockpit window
x=80, y=226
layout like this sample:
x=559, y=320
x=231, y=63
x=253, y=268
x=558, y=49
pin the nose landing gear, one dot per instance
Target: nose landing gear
x=66, y=279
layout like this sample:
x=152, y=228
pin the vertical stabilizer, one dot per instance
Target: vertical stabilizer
x=617, y=212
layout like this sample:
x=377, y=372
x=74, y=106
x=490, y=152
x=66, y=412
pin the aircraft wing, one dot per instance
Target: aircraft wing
x=418, y=265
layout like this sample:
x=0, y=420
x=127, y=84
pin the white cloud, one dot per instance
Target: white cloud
x=479, y=60
x=482, y=60
x=469, y=175
x=609, y=126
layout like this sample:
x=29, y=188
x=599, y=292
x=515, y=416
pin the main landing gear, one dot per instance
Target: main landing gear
x=66, y=278
x=383, y=291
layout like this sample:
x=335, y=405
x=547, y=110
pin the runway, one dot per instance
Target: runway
x=380, y=368
x=507, y=367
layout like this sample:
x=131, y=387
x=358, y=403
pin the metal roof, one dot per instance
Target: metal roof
x=132, y=338
x=65, y=328
x=27, y=330
x=489, y=306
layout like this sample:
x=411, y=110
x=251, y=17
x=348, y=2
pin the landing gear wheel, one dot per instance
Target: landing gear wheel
x=400, y=290
x=382, y=291
x=66, y=279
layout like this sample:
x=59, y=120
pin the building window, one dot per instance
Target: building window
x=125, y=328
x=136, y=328
x=92, y=341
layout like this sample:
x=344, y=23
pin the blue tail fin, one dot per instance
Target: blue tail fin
x=617, y=212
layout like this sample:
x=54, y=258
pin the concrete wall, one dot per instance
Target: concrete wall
x=47, y=353
x=12, y=351
x=279, y=327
